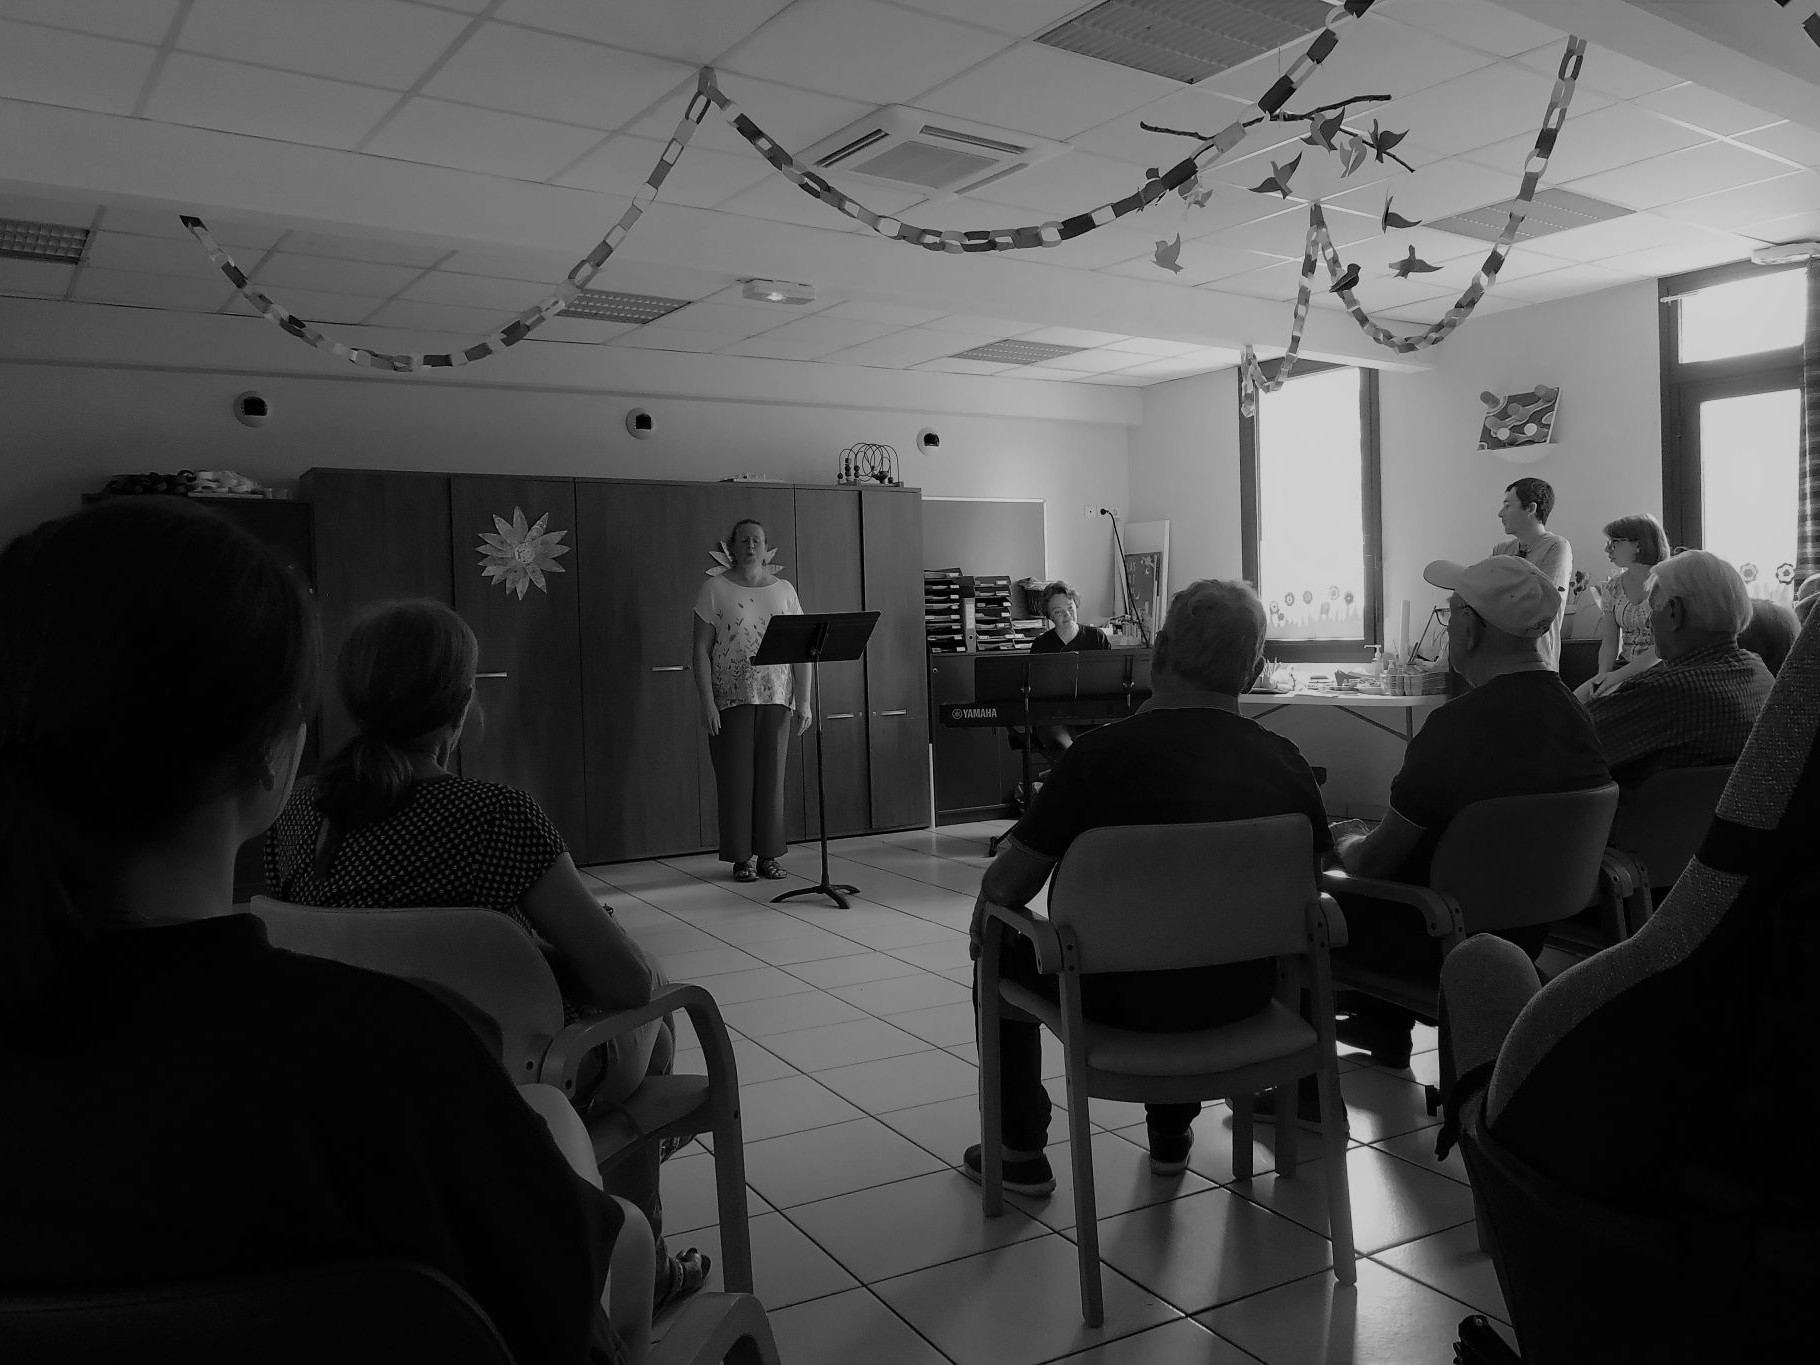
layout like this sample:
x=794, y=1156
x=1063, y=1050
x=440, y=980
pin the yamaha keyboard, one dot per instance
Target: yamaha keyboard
x=1053, y=689
x=963, y=715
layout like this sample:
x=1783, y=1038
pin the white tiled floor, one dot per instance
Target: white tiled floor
x=854, y=1041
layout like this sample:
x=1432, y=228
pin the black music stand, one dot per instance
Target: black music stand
x=1026, y=678
x=808, y=639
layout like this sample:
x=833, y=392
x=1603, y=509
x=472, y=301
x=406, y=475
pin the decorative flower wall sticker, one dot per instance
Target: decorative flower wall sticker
x=723, y=559
x=520, y=554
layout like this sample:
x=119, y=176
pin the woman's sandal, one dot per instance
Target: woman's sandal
x=770, y=871
x=745, y=872
x=688, y=1271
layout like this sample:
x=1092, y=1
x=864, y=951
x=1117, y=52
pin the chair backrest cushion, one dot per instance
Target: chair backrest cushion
x=1665, y=819
x=479, y=956
x=1160, y=897
x=1521, y=860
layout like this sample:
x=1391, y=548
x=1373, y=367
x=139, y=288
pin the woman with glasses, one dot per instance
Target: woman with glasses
x=1627, y=646
x=1061, y=606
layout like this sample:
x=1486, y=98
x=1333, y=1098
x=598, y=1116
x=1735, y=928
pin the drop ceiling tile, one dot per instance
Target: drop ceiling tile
x=155, y=256
x=694, y=32
x=699, y=178
x=169, y=223
x=406, y=316
x=1226, y=207
x=734, y=296
x=765, y=346
x=1285, y=232
x=1192, y=109
x=1720, y=248
x=1617, y=135
x=796, y=119
x=1437, y=190
x=869, y=310
x=1706, y=169
x=369, y=278
x=733, y=322
x=373, y=42
x=1277, y=283
x=1045, y=92
x=71, y=70
x=1558, y=284
x=1471, y=23
x=952, y=366
x=1430, y=312
x=546, y=267
x=1792, y=140
x=484, y=140
x=1094, y=250
x=1796, y=227
x=1019, y=18
x=780, y=201
x=66, y=212
x=313, y=306
x=1705, y=109
x=828, y=333
x=912, y=346
x=1201, y=360
x=204, y=92
x=1606, y=71
x=860, y=50
x=1378, y=290
x=1073, y=336
x=663, y=281
x=1201, y=262
x=1070, y=183
x=1506, y=100
x=546, y=76
x=151, y=291
x=1088, y=362
x=137, y=21
x=363, y=249
x=995, y=328
x=580, y=330
x=662, y=336
x=36, y=279
x=1048, y=376
x=1730, y=210
x=1127, y=381
x=476, y=291
x=1431, y=244
x=966, y=212
x=1154, y=346
x=1617, y=236
x=1374, y=55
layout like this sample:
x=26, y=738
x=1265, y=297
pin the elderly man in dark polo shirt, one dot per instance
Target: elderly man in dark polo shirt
x=1187, y=756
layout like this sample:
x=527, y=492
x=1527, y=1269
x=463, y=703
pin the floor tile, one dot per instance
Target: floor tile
x=844, y=1044
x=758, y=927
x=787, y=1267
x=1381, y=1104
x=943, y=1025
x=791, y=1105
x=902, y=1082
x=1452, y=1263
x=1386, y=1319
x=947, y=1129
x=968, y=1052
x=845, y=1328
x=1122, y=1180
x=752, y=1062
x=1182, y=1342
x=1211, y=1155
x=824, y=1162
x=1017, y=1305
x=759, y=1018
x=1419, y=1147
x=705, y=962
x=1392, y=1201
x=690, y=1197
x=755, y=983
x=860, y=965
x=1209, y=1248
x=901, y=994
x=878, y=927
x=954, y=952
x=684, y=938
x=807, y=944
x=894, y=1229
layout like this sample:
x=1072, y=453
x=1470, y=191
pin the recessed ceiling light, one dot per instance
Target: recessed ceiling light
x=28, y=241
x=606, y=305
x=779, y=291
x=1013, y=352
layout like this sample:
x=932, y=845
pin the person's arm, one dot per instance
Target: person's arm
x=1013, y=879
x=1608, y=642
x=609, y=965
x=1383, y=850
x=1628, y=721
x=1557, y=562
x=703, y=645
x=802, y=697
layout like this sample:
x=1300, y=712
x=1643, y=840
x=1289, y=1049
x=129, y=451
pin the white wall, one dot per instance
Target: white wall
x=1185, y=468
x=90, y=392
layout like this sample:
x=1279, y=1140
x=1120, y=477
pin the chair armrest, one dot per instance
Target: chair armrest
x=1027, y=924
x=563, y=1059
x=1327, y=912
x=1440, y=912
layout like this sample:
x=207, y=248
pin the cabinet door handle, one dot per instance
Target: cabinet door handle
x=492, y=675
x=894, y=713
x=672, y=668
x=840, y=715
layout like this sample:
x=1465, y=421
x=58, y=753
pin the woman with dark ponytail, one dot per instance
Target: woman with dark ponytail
x=157, y=666
x=385, y=824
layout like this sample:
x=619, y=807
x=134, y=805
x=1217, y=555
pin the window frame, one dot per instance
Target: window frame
x=1371, y=514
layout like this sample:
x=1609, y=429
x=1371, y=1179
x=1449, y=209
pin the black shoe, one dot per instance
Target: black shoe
x=686, y=1273
x=1169, y=1152
x=1307, y=1109
x=1029, y=1175
x=1389, y=1042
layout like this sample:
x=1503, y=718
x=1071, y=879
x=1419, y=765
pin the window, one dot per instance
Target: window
x=1308, y=466
x=1731, y=421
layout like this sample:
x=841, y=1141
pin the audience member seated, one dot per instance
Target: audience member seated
x=1187, y=756
x=1770, y=634
x=1635, y=545
x=185, y=1102
x=1061, y=606
x=384, y=824
x=1697, y=706
x=1518, y=732
x=1595, y=1083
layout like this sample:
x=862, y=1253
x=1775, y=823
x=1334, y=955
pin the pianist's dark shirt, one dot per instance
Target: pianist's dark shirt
x=1086, y=638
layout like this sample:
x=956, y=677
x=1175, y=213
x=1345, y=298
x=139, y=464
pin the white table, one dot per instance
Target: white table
x=1365, y=706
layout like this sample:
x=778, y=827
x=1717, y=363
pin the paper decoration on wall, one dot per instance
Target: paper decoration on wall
x=1412, y=264
x=723, y=559
x=520, y=554
x=1347, y=279
x=1167, y=254
x=1277, y=182
x=1520, y=419
x=1389, y=219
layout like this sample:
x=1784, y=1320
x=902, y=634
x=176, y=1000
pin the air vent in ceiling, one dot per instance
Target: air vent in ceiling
x=1187, y=40
x=1551, y=211
x=1013, y=352
x=604, y=305
x=23, y=240
x=929, y=153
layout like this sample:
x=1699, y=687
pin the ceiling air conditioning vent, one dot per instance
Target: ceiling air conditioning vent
x=1187, y=40
x=929, y=153
x=1550, y=211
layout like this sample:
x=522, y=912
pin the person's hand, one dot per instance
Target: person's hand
x=805, y=714
x=1346, y=829
x=710, y=719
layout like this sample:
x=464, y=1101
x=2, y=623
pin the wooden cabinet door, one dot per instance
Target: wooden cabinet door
x=828, y=578
x=526, y=729
x=379, y=536
x=897, y=683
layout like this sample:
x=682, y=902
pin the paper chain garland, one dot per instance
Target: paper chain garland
x=709, y=93
x=1251, y=376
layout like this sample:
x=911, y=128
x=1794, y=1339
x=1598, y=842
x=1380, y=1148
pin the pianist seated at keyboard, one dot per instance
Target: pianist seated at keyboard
x=1187, y=756
x=1060, y=605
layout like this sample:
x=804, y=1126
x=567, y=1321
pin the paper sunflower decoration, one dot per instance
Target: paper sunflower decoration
x=723, y=559
x=520, y=555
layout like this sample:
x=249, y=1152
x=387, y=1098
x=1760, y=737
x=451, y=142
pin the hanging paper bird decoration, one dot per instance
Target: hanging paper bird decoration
x=1193, y=192
x=1382, y=139
x=1278, y=183
x=1356, y=148
x=1322, y=132
x=1167, y=254
x=1349, y=279
x=1390, y=219
x=1412, y=264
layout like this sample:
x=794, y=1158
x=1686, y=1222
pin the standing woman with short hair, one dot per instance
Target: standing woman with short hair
x=745, y=707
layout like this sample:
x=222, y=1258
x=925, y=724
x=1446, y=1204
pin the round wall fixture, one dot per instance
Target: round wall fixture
x=251, y=409
x=928, y=442
x=640, y=423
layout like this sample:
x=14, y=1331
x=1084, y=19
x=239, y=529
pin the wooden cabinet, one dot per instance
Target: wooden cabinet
x=897, y=691
x=828, y=579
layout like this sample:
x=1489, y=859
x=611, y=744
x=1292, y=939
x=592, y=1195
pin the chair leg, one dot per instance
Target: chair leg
x=1611, y=907
x=1339, y=1193
x=992, y=1117
x=1287, y=1101
x=1241, y=1137
x=730, y=1191
x=1086, y=1207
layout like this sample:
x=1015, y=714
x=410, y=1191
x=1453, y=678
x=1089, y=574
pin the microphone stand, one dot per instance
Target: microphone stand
x=1118, y=543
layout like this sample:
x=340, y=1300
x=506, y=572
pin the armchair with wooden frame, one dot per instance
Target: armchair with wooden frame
x=1203, y=894
x=501, y=983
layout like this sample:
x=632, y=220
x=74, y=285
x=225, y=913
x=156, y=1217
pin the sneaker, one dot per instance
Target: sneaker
x=686, y=1273
x=1169, y=1152
x=1388, y=1043
x=1307, y=1109
x=1030, y=1175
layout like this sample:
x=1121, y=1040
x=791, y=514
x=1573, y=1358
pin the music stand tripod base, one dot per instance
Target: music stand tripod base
x=808, y=639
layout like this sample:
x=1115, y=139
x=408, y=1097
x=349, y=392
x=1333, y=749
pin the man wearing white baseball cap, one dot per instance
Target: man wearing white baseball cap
x=1518, y=732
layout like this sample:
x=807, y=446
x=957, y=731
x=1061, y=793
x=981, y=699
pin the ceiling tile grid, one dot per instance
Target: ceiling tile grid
x=575, y=81
x=74, y=70
x=370, y=42
x=485, y=140
x=205, y=92
x=136, y=21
